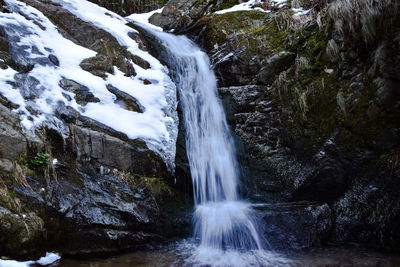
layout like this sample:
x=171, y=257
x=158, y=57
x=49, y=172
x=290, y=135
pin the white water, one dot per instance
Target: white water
x=222, y=223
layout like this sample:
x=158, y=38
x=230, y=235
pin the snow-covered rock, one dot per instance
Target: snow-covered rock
x=43, y=55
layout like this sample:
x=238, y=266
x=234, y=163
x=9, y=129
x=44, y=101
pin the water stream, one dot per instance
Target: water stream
x=223, y=223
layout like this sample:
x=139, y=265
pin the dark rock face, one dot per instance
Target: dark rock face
x=295, y=225
x=240, y=44
x=314, y=115
x=274, y=65
x=270, y=171
x=107, y=209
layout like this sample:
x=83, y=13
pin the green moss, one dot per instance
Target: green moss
x=258, y=32
x=162, y=2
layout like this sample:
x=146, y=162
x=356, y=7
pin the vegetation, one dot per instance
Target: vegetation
x=40, y=161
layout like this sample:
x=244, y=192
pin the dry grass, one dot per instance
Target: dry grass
x=332, y=50
x=364, y=18
x=341, y=102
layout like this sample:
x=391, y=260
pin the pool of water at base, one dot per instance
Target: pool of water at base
x=184, y=254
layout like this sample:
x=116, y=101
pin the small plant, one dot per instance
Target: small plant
x=39, y=161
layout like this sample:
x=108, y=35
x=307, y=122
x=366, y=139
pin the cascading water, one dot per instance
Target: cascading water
x=221, y=222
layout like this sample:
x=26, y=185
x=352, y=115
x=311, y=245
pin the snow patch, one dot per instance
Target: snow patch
x=46, y=260
x=246, y=6
x=144, y=18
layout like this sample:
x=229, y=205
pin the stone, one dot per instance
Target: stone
x=84, y=204
x=54, y=60
x=180, y=15
x=82, y=93
x=98, y=65
x=295, y=225
x=19, y=232
x=125, y=100
x=6, y=165
x=275, y=65
x=116, y=153
x=13, y=143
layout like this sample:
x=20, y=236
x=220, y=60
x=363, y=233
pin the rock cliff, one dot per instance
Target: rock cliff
x=311, y=90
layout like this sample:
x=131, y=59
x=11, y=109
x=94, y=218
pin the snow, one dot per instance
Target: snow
x=300, y=11
x=246, y=6
x=249, y=6
x=12, y=263
x=111, y=22
x=157, y=125
x=144, y=18
x=14, y=95
x=46, y=260
x=49, y=258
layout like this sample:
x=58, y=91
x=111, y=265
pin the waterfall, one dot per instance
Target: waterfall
x=221, y=221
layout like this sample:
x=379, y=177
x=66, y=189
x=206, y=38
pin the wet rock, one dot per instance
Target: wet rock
x=84, y=204
x=18, y=231
x=19, y=228
x=295, y=225
x=4, y=51
x=23, y=57
x=66, y=113
x=369, y=211
x=241, y=98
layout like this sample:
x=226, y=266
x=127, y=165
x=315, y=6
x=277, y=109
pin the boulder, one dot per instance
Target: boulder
x=295, y=225
x=82, y=93
x=179, y=15
x=275, y=65
x=102, y=210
